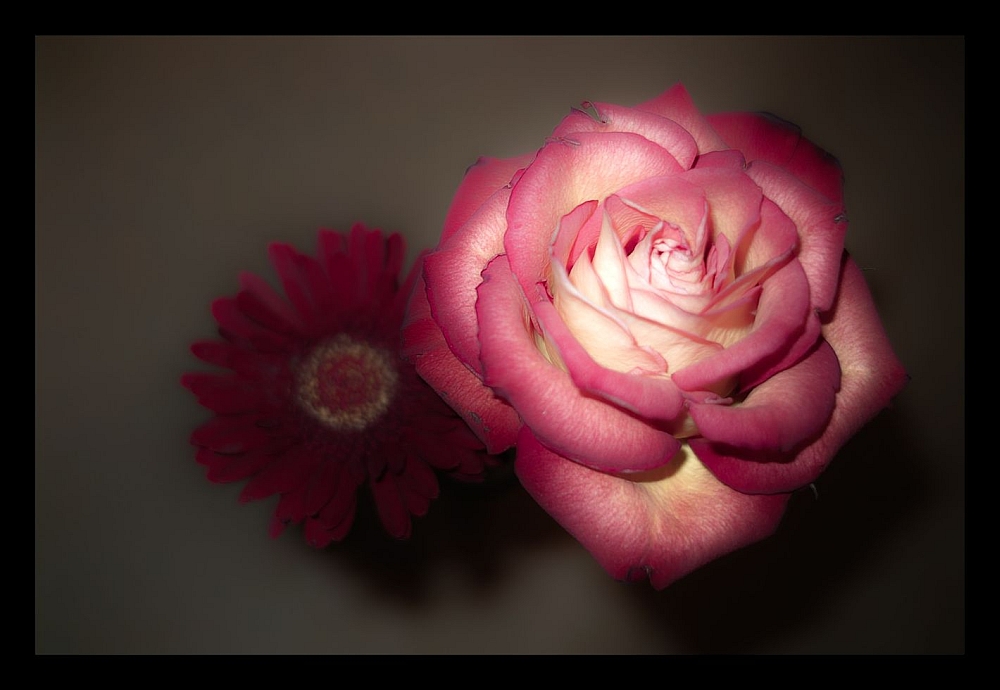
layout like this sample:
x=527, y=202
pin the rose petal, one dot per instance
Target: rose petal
x=652, y=397
x=611, y=265
x=605, y=337
x=453, y=270
x=481, y=181
x=871, y=376
x=788, y=408
x=781, y=315
x=767, y=137
x=577, y=233
x=821, y=227
x=563, y=175
x=492, y=419
x=761, y=371
x=675, y=103
x=615, y=118
x=714, y=326
x=578, y=426
x=679, y=348
x=661, y=526
x=671, y=199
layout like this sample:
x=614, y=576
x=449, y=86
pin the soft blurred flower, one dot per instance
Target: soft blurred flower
x=317, y=401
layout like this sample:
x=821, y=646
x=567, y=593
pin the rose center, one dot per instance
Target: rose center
x=346, y=384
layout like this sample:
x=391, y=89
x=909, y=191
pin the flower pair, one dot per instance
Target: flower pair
x=655, y=309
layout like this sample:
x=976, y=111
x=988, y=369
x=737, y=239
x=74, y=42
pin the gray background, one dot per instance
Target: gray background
x=165, y=165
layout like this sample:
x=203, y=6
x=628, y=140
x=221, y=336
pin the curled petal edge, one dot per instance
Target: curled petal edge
x=661, y=525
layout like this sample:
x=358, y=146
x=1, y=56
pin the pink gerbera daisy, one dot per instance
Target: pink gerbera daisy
x=318, y=401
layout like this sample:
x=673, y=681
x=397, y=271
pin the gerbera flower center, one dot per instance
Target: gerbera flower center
x=346, y=384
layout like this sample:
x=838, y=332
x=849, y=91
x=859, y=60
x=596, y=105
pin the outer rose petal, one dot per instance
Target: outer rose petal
x=492, y=419
x=454, y=269
x=482, y=179
x=661, y=526
x=763, y=136
x=588, y=430
x=870, y=376
x=676, y=104
x=615, y=118
x=821, y=224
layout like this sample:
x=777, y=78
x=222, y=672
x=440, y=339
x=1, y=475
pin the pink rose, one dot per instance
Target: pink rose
x=658, y=310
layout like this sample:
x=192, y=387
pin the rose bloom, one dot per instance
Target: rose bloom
x=657, y=309
x=317, y=401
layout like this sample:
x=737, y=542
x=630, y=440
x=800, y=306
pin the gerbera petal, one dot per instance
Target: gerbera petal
x=226, y=394
x=391, y=508
x=231, y=433
x=215, y=352
x=369, y=252
x=343, y=500
x=235, y=326
x=292, y=505
x=284, y=259
x=661, y=525
x=323, y=484
x=260, y=302
x=340, y=270
x=320, y=533
x=559, y=413
x=225, y=468
x=287, y=472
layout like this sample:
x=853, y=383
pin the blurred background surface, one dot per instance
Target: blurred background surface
x=164, y=166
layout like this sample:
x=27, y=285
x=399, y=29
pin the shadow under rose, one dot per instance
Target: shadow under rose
x=480, y=527
x=757, y=598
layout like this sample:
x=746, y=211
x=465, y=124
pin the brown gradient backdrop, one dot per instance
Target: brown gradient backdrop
x=163, y=167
